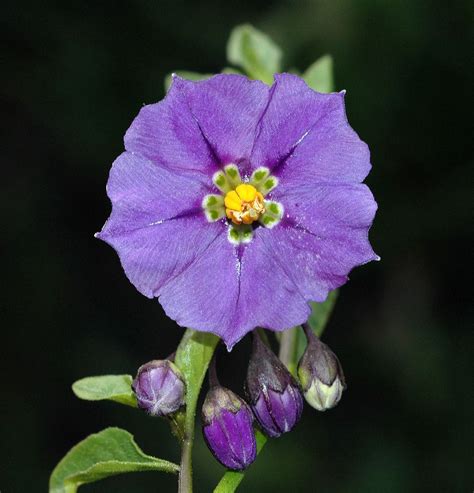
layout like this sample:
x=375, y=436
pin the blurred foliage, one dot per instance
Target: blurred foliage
x=76, y=74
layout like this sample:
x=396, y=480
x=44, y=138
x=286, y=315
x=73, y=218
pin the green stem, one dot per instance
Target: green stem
x=185, y=482
x=288, y=345
x=192, y=358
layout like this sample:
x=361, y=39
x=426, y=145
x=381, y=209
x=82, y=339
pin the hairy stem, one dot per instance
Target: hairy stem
x=185, y=482
x=192, y=357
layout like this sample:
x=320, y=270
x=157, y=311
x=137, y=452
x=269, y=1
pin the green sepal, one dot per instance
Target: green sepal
x=185, y=74
x=319, y=76
x=117, y=388
x=107, y=453
x=255, y=52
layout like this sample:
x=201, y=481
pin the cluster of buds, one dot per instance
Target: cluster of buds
x=274, y=397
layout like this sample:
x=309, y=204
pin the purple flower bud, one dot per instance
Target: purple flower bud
x=159, y=387
x=320, y=374
x=273, y=393
x=227, y=428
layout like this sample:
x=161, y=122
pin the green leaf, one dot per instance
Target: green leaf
x=321, y=312
x=255, y=52
x=116, y=388
x=231, y=479
x=192, y=357
x=185, y=75
x=319, y=76
x=230, y=70
x=107, y=453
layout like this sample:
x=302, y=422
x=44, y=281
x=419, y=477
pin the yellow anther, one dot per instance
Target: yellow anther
x=233, y=201
x=244, y=204
x=246, y=192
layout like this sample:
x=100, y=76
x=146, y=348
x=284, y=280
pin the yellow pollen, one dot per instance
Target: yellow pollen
x=244, y=204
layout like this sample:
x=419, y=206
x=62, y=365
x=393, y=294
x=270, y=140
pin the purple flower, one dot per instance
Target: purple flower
x=236, y=203
x=228, y=428
x=159, y=388
x=273, y=394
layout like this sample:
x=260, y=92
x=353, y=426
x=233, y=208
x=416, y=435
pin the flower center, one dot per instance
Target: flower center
x=244, y=205
x=243, y=201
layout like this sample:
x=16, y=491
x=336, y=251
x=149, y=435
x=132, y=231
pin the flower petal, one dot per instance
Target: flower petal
x=204, y=295
x=157, y=225
x=143, y=193
x=152, y=257
x=168, y=134
x=227, y=109
x=323, y=236
x=304, y=137
x=230, y=290
x=338, y=211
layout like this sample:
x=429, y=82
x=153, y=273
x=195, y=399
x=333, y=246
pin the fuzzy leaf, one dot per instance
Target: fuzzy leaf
x=230, y=70
x=255, y=52
x=185, y=74
x=107, y=453
x=116, y=388
x=319, y=76
x=231, y=479
x=321, y=312
x=192, y=357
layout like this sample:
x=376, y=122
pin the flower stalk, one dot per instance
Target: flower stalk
x=288, y=346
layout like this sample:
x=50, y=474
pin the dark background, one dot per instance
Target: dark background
x=75, y=74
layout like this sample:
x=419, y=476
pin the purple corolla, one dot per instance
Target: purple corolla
x=236, y=203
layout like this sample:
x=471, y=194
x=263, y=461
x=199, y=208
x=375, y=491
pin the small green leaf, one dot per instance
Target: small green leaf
x=107, y=453
x=116, y=388
x=192, y=357
x=319, y=75
x=229, y=70
x=321, y=312
x=255, y=52
x=231, y=479
x=185, y=75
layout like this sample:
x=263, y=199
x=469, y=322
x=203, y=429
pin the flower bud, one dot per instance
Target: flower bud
x=159, y=387
x=227, y=428
x=273, y=394
x=321, y=375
